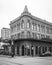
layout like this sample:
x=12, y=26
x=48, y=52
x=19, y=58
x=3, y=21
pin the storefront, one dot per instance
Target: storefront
x=31, y=47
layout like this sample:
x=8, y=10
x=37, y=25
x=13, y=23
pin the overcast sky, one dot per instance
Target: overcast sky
x=10, y=9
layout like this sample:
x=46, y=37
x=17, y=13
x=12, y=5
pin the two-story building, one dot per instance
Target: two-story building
x=28, y=32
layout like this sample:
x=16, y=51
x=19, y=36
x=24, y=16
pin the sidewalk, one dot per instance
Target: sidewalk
x=21, y=60
x=27, y=60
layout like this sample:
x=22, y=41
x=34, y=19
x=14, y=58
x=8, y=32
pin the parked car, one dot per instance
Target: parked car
x=48, y=53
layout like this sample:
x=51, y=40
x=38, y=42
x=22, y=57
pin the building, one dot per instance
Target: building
x=29, y=33
x=5, y=33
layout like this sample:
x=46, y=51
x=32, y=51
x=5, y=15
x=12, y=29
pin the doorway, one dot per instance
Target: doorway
x=17, y=50
x=32, y=50
x=22, y=50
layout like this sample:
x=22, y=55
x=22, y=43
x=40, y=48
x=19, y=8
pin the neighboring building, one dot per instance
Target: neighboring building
x=5, y=33
x=28, y=32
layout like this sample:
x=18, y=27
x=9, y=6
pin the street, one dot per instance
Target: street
x=24, y=60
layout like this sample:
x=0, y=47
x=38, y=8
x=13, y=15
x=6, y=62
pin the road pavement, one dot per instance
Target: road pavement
x=24, y=60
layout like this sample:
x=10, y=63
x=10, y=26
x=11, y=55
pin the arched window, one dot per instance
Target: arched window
x=22, y=24
x=28, y=23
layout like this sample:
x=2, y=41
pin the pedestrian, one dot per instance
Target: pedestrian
x=12, y=54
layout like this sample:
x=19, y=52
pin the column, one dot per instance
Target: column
x=20, y=51
x=30, y=50
x=15, y=50
x=34, y=50
x=47, y=48
x=41, y=50
x=38, y=50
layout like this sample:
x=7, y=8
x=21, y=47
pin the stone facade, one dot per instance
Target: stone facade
x=27, y=31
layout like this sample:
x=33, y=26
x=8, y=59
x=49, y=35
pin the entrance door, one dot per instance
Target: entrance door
x=17, y=50
x=22, y=50
x=28, y=52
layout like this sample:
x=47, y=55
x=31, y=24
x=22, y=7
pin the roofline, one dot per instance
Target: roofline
x=27, y=13
x=33, y=17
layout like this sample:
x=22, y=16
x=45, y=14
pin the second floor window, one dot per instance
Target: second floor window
x=38, y=27
x=50, y=30
x=22, y=24
x=14, y=27
x=42, y=29
x=34, y=26
x=38, y=36
x=18, y=26
x=28, y=23
x=47, y=30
